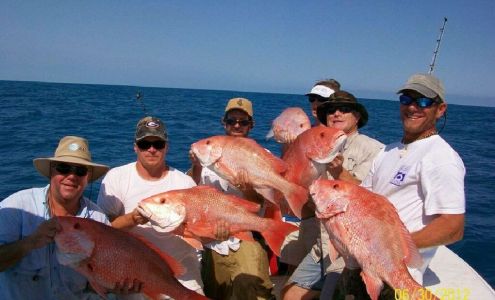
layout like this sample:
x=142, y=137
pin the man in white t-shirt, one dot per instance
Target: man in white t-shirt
x=422, y=175
x=123, y=187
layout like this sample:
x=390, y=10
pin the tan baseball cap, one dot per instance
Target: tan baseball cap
x=242, y=104
x=425, y=84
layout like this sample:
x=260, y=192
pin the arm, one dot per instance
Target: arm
x=13, y=252
x=196, y=168
x=129, y=220
x=443, y=230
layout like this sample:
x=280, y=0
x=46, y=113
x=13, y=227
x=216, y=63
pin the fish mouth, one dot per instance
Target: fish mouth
x=167, y=222
x=338, y=147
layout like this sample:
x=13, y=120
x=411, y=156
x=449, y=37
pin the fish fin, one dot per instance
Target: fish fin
x=248, y=205
x=373, y=284
x=276, y=233
x=272, y=211
x=100, y=290
x=270, y=134
x=245, y=236
x=177, y=268
x=196, y=244
x=267, y=193
x=296, y=197
x=412, y=257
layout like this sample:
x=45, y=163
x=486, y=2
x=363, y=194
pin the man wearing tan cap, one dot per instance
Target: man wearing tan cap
x=234, y=269
x=28, y=264
x=123, y=187
x=422, y=176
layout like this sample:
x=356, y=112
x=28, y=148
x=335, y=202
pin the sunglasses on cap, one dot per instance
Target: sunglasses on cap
x=65, y=169
x=342, y=108
x=422, y=102
x=242, y=123
x=313, y=98
x=145, y=145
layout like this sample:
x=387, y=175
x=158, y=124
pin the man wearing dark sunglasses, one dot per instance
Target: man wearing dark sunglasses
x=422, y=176
x=320, y=93
x=123, y=187
x=234, y=269
x=342, y=111
x=27, y=226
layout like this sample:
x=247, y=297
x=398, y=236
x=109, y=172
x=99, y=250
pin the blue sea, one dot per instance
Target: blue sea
x=35, y=115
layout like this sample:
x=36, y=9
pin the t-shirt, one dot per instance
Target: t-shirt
x=39, y=275
x=420, y=179
x=120, y=192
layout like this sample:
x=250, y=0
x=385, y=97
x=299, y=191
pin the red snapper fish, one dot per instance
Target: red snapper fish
x=199, y=209
x=307, y=157
x=105, y=256
x=366, y=230
x=288, y=125
x=237, y=157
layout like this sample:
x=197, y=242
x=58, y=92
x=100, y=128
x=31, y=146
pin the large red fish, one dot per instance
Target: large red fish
x=200, y=208
x=366, y=230
x=237, y=157
x=308, y=156
x=105, y=256
x=289, y=124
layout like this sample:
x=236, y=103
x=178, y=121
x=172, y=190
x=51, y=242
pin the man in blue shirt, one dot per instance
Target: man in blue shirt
x=28, y=265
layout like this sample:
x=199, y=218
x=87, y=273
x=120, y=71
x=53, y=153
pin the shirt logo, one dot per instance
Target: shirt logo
x=398, y=179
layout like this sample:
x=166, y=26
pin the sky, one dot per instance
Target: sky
x=370, y=47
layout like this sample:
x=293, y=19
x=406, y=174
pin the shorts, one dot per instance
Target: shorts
x=298, y=243
x=308, y=274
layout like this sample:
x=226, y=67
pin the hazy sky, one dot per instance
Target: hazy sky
x=371, y=47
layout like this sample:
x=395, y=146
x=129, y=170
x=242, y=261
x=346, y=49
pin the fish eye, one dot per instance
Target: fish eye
x=322, y=134
x=207, y=142
x=301, y=125
x=77, y=226
x=162, y=201
x=335, y=186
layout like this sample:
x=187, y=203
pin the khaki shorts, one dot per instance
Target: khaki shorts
x=298, y=243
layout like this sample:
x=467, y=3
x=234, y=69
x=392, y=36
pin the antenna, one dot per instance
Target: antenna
x=139, y=98
x=439, y=40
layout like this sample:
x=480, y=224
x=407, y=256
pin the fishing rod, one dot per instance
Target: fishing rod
x=439, y=40
x=139, y=99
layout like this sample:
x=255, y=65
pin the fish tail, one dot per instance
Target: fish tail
x=275, y=235
x=296, y=198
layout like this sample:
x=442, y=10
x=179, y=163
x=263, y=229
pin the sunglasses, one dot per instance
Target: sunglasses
x=313, y=98
x=65, y=169
x=145, y=145
x=422, y=102
x=343, y=109
x=242, y=123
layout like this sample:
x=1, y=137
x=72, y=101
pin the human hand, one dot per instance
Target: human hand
x=44, y=234
x=194, y=160
x=241, y=181
x=335, y=167
x=140, y=215
x=222, y=230
x=123, y=288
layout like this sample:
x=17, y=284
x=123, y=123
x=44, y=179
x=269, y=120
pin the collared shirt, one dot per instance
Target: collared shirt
x=39, y=275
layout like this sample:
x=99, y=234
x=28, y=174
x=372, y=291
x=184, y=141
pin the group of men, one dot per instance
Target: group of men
x=421, y=175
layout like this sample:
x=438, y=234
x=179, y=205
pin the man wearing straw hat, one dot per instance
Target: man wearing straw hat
x=28, y=264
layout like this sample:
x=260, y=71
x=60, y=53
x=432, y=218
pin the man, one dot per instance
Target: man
x=342, y=111
x=123, y=187
x=298, y=243
x=28, y=264
x=422, y=176
x=234, y=269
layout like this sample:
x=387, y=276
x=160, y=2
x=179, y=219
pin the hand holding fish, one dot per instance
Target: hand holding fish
x=222, y=230
x=44, y=234
x=140, y=216
x=335, y=166
x=123, y=288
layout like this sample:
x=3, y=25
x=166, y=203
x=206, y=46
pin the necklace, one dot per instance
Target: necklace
x=403, y=151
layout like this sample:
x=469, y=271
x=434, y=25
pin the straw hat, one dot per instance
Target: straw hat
x=75, y=150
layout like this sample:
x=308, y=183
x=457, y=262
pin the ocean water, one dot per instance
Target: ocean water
x=34, y=116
